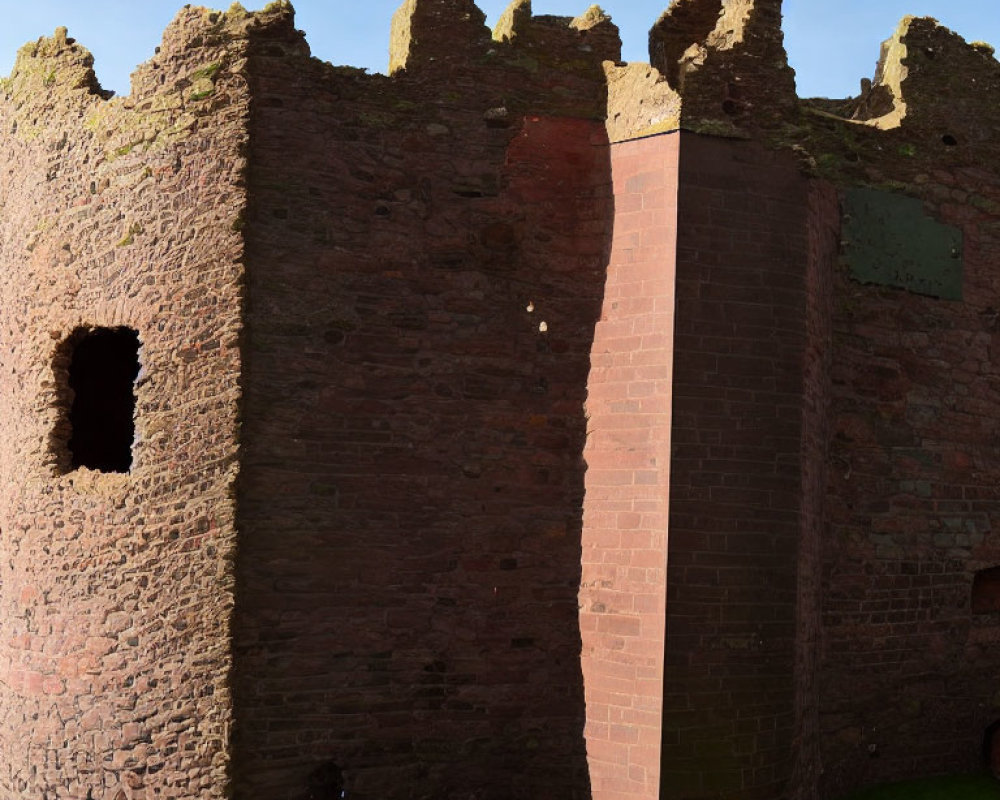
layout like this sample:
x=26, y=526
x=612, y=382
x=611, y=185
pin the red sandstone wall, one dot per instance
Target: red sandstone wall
x=622, y=596
x=423, y=286
x=426, y=261
x=908, y=674
x=114, y=653
x=736, y=484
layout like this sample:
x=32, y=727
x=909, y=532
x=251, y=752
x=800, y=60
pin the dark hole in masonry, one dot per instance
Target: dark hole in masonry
x=986, y=591
x=326, y=782
x=991, y=749
x=103, y=367
x=949, y=140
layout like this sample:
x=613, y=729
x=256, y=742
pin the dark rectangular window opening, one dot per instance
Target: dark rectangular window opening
x=103, y=364
x=986, y=592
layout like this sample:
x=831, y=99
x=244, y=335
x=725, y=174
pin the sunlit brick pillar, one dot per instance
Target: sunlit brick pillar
x=628, y=454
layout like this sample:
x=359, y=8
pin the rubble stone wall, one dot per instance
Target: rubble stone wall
x=117, y=587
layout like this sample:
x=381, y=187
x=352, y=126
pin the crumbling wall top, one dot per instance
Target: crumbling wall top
x=929, y=77
x=727, y=60
x=934, y=104
x=53, y=67
x=428, y=30
x=716, y=66
x=53, y=91
x=55, y=71
x=428, y=34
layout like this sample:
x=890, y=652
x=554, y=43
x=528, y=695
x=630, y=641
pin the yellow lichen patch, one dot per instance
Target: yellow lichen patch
x=512, y=21
x=666, y=126
x=133, y=230
x=731, y=27
x=201, y=90
x=400, y=36
x=640, y=102
x=207, y=72
x=590, y=18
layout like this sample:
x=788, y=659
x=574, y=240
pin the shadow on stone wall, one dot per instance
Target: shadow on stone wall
x=426, y=262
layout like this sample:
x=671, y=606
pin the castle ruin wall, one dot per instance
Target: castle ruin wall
x=523, y=423
x=425, y=261
x=118, y=586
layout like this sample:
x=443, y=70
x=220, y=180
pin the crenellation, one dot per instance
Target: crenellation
x=52, y=66
x=881, y=103
x=559, y=46
x=923, y=64
x=684, y=26
x=515, y=19
x=734, y=74
x=426, y=32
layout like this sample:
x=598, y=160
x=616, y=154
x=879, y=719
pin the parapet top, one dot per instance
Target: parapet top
x=53, y=66
x=727, y=60
x=57, y=71
x=722, y=63
x=929, y=76
x=434, y=32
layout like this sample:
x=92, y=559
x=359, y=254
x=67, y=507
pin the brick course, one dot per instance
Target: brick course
x=911, y=509
x=622, y=592
x=736, y=484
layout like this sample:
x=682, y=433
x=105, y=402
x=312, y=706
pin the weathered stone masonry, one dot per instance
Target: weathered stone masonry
x=523, y=424
x=117, y=587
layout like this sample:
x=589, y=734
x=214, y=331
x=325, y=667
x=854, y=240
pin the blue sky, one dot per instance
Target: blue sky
x=832, y=44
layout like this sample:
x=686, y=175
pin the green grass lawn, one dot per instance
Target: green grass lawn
x=963, y=787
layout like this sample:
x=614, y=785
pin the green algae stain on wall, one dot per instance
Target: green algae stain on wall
x=889, y=240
